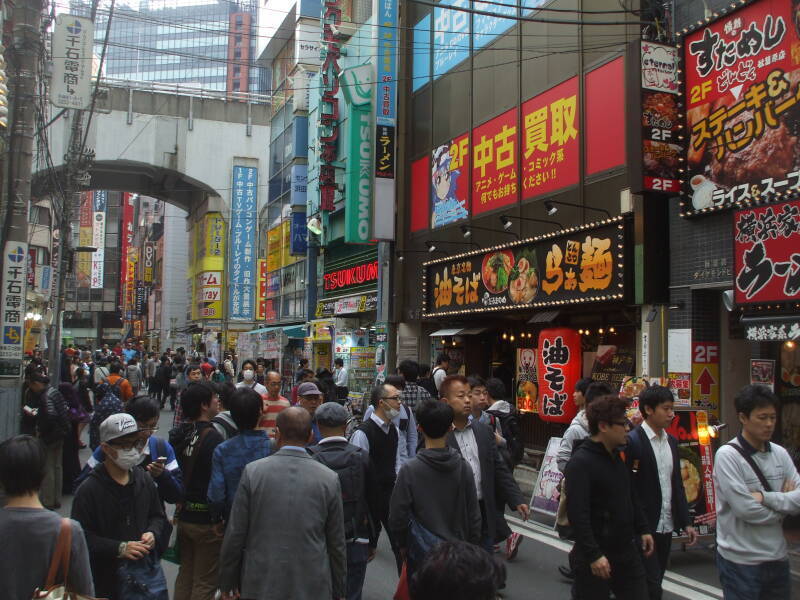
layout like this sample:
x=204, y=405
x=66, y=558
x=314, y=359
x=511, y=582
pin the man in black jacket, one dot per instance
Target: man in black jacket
x=608, y=522
x=119, y=508
x=652, y=456
x=354, y=468
x=476, y=443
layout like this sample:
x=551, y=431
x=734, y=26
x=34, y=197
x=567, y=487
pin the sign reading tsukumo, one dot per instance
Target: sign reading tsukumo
x=742, y=107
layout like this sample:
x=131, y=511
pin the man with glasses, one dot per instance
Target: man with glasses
x=274, y=403
x=610, y=527
x=757, y=487
x=309, y=396
x=119, y=508
x=379, y=437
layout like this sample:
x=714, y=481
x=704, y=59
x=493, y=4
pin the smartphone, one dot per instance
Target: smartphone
x=161, y=459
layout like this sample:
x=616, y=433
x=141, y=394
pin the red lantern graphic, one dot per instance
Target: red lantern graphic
x=559, y=368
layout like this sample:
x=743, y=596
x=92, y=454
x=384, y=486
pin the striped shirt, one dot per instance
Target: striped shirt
x=270, y=413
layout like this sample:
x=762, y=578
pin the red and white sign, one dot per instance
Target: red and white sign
x=559, y=362
x=495, y=170
x=767, y=253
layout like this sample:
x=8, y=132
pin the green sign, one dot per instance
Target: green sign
x=357, y=87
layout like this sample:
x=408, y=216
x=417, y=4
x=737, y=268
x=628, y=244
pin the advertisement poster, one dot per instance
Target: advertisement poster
x=494, y=163
x=546, y=492
x=100, y=201
x=697, y=467
x=705, y=377
x=741, y=94
x=450, y=182
x=584, y=266
x=765, y=253
x=550, y=146
x=451, y=35
x=242, y=267
x=613, y=365
x=661, y=150
x=274, y=248
x=762, y=372
x=527, y=386
x=681, y=387
x=83, y=260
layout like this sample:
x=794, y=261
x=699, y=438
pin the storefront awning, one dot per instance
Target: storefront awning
x=451, y=332
x=295, y=331
x=544, y=316
x=768, y=328
x=472, y=331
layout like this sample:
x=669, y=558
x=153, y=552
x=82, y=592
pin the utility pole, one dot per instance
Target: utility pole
x=23, y=69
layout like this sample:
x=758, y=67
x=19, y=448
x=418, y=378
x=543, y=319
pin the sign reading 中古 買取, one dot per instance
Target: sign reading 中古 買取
x=585, y=266
x=767, y=262
x=242, y=269
x=741, y=99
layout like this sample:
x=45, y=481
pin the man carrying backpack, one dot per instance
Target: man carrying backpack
x=52, y=427
x=352, y=464
x=119, y=385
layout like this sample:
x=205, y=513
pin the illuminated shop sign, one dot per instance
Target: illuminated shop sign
x=351, y=276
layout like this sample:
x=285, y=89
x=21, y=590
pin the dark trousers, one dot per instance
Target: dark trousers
x=628, y=580
x=656, y=564
x=357, y=558
x=764, y=581
x=169, y=392
x=381, y=517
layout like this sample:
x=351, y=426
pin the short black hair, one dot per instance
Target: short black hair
x=115, y=367
x=248, y=362
x=143, y=408
x=496, y=388
x=409, y=369
x=22, y=460
x=424, y=369
x=37, y=377
x=339, y=362
x=476, y=381
x=225, y=389
x=396, y=380
x=303, y=373
x=751, y=397
x=457, y=571
x=434, y=418
x=194, y=397
x=583, y=385
x=245, y=406
x=609, y=408
x=442, y=358
x=653, y=396
x=193, y=367
x=595, y=390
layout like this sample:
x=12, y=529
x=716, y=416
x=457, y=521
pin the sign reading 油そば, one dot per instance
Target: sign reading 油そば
x=587, y=265
x=741, y=99
x=766, y=257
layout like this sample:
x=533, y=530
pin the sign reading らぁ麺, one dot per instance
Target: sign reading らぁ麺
x=586, y=265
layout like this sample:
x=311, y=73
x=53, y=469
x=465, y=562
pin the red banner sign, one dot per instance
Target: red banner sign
x=494, y=163
x=766, y=257
x=351, y=276
x=125, y=242
x=550, y=147
x=559, y=364
x=741, y=87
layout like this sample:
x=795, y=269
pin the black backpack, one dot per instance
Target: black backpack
x=509, y=428
x=347, y=464
x=53, y=418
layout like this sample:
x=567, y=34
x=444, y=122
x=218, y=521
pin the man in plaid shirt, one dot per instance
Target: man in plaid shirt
x=412, y=395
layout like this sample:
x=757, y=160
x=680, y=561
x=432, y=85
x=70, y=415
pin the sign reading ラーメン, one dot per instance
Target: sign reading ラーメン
x=584, y=266
x=357, y=86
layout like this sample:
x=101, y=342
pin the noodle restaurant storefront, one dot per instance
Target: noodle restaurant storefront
x=538, y=314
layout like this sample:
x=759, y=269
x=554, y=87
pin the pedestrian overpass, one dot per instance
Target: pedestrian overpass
x=175, y=143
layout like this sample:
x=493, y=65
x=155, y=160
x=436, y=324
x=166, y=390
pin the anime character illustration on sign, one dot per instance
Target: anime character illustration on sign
x=448, y=198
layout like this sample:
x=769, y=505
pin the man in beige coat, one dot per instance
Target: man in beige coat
x=285, y=537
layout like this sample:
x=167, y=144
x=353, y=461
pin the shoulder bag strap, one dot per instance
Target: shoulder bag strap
x=61, y=555
x=749, y=460
x=187, y=476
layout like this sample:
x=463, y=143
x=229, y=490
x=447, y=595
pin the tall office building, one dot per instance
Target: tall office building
x=208, y=44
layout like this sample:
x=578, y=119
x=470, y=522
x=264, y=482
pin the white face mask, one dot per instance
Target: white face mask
x=127, y=459
x=391, y=413
x=248, y=374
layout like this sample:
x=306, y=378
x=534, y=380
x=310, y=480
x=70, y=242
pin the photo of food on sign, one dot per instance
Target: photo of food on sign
x=743, y=106
x=496, y=269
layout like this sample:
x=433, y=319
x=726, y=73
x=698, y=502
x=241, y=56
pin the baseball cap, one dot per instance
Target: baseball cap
x=331, y=414
x=117, y=426
x=308, y=389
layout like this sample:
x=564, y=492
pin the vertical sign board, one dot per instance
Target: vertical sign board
x=242, y=266
x=12, y=308
x=98, y=238
x=85, y=238
x=359, y=193
x=329, y=104
x=71, y=83
x=148, y=272
x=298, y=243
x=261, y=307
x=126, y=239
x=31, y=272
x=705, y=376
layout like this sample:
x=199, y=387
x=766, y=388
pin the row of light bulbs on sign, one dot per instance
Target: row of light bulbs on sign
x=601, y=331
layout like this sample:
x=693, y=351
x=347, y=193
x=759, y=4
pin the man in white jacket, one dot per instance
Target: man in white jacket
x=756, y=486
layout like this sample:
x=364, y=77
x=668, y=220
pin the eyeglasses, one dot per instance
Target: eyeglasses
x=624, y=424
x=138, y=444
x=391, y=397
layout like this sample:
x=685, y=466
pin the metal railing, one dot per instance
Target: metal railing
x=185, y=90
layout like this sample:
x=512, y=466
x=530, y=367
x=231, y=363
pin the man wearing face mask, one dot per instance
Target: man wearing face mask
x=379, y=437
x=119, y=508
x=249, y=378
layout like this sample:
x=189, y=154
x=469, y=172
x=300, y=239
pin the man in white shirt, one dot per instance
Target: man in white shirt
x=249, y=378
x=440, y=371
x=339, y=373
x=652, y=456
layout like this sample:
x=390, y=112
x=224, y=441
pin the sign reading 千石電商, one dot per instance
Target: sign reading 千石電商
x=242, y=243
x=741, y=83
x=12, y=308
x=72, y=45
x=357, y=87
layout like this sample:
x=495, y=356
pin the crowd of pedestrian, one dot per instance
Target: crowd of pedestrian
x=278, y=497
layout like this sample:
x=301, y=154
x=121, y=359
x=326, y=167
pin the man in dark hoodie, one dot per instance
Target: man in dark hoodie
x=608, y=521
x=436, y=488
x=119, y=508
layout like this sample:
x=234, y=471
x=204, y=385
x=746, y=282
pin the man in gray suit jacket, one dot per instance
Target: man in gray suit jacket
x=285, y=537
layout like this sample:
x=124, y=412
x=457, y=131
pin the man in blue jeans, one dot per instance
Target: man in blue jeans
x=756, y=486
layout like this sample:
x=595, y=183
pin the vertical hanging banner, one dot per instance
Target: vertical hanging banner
x=494, y=163
x=85, y=238
x=100, y=202
x=559, y=368
x=126, y=240
x=71, y=83
x=450, y=182
x=149, y=262
x=359, y=193
x=261, y=308
x=242, y=266
x=12, y=308
x=329, y=105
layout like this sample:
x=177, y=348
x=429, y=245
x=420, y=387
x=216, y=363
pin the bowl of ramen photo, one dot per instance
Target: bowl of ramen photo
x=496, y=269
